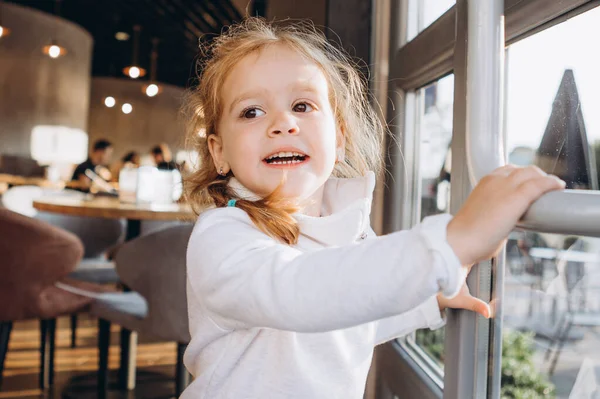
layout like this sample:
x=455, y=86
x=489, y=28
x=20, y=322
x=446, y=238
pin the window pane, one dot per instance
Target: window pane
x=432, y=10
x=551, y=345
x=551, y=341
x=435, y=133
x=423, y=13
x=553, y=101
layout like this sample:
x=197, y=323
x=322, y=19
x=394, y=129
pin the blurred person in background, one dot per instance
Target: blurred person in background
x=163, y=159
x=97, y=162
x=129, y=160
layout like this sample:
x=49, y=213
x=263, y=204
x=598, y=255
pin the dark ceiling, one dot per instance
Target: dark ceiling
x=178, y=24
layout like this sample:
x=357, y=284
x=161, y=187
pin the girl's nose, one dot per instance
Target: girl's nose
x=284, y=124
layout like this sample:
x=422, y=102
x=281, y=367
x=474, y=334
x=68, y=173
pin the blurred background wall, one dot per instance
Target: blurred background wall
x=36, y=89
x=152, y=120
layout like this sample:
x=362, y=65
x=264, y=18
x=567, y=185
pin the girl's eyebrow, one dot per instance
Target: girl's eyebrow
x=304, y=86
x=245, y=96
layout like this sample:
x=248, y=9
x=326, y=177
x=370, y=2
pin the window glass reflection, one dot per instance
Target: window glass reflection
x=552, y=292
x=553, y=100
x=435, y=133
x=423, y=13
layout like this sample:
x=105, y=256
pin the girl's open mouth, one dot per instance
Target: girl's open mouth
x=286, y=159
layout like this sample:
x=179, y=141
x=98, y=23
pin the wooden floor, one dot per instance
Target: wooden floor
x=75, y=368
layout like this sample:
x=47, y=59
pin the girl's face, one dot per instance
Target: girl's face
x=277, y=118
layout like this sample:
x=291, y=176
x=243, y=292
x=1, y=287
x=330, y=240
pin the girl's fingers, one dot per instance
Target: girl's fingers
x=532, y=189
x=521, y=175
x=478, y=306
x=468, y=302
x=504, y=170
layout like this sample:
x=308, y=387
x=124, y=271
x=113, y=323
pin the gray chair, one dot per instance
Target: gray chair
x=152, y=226
x=154, y=266
x=99, y=237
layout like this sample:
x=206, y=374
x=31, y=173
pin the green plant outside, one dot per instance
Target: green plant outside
x=520, y=379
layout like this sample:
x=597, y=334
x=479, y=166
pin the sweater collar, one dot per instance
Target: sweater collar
x=345, y=210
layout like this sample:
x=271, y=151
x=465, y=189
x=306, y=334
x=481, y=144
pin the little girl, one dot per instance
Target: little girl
x=288, y=289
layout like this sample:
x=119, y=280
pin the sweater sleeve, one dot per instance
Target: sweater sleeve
x=426, y=315
x=246, y=279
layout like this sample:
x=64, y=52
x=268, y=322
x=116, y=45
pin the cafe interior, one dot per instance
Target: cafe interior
x=93, y=219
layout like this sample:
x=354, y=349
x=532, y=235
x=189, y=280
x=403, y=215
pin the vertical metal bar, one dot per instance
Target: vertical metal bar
x=459, y=342
x=478, y=108
x=498, y=273
x=485, y=117
x=485, y=86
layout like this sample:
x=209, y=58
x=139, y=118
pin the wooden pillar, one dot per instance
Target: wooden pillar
x=349, y=21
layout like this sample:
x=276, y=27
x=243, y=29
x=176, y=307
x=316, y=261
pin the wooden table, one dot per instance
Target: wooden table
x=7, y=180
x=15, y=180
x=112, y=208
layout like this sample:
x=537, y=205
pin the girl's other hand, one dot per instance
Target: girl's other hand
x=464, y=300
x=492, y=210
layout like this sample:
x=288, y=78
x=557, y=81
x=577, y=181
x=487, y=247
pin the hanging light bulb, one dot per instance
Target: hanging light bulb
x=4, y=31
x=153, y=89
x=126, y=108
x=135, y=71
x=110, y=101
x=53, y=50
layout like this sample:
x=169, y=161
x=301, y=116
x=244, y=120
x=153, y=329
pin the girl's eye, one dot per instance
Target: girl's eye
x=303, y=107
x=252, y=113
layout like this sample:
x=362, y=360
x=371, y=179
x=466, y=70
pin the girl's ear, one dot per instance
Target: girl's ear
x=340, y=150
x=215, y=146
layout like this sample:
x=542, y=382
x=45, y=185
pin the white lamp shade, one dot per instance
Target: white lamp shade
x=150, y=185
x=58, y=144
